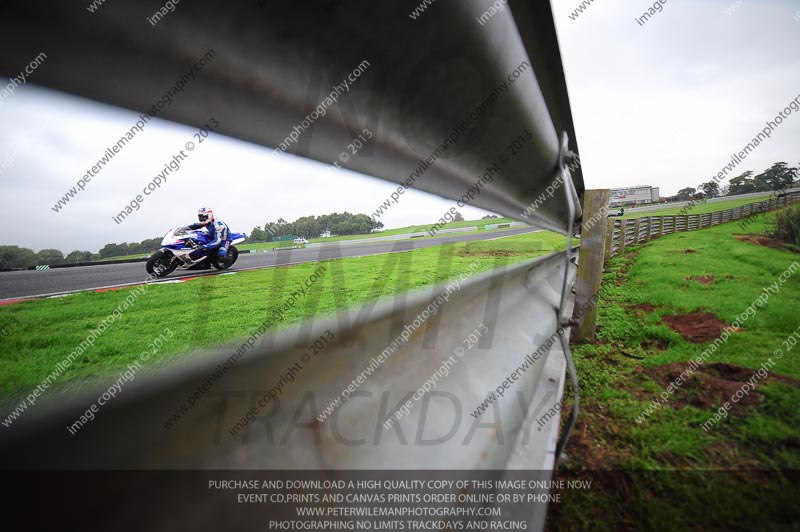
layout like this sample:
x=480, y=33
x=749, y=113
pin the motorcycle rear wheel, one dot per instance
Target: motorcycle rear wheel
x=224, y=264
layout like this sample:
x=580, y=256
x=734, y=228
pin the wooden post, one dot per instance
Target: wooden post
x=590, y=264
x=623, y=231
x=636, y=226
x=609, y=241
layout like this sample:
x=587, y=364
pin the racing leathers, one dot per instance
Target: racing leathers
x=221, y=236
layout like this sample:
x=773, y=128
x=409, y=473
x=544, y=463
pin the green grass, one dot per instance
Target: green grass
x=616, y=389
x=268, y=246
x=700, y=208
x=212, y=310
x=391, y=232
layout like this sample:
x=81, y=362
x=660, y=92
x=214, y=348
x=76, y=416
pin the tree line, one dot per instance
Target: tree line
x=335, y=224
x=779, y=176
x=306, y=227
x=19, y=257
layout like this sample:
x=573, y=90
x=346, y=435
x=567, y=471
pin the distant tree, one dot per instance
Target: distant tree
x=741, y=184
x=80, y=256
x=258, y=235
x=132, y=247
x=50, y=256
x=779, y=176
x=307, y=227
x=112, y=250
x=686, y=194
x=710, y=189
x=488, y=216
x=458, y=217
x=150, y=244
x=16, y=257
x=312, y=226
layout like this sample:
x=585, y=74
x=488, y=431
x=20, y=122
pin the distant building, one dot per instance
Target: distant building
x=639, y=195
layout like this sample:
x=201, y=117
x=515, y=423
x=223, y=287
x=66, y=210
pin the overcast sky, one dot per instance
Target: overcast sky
x=667, y=103
x=664, y=104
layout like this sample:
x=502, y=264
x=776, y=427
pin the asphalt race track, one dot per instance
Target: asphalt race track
x=33, y=283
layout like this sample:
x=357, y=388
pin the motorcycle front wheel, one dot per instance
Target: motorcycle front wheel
x=224, y=264
x=161, y=264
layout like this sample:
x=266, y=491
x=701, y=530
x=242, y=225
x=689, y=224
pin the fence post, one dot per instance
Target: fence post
x=590, y=263
x=636, y=225
x=609, y=240
x=623, y=231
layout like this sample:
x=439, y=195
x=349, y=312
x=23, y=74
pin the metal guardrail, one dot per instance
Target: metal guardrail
x=518, y=305
x=411, y=100
x=640, y=230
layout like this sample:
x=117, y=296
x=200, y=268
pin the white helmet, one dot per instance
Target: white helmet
x=205, y=214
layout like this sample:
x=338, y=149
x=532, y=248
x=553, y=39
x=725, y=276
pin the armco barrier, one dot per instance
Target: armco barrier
x=254, y=88
x=640, y=230
x=518, y=305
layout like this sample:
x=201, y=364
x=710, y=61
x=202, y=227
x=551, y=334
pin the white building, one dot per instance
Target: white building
x=639, y=195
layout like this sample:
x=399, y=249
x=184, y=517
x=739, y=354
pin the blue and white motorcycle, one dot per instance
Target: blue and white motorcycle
x=177, y=248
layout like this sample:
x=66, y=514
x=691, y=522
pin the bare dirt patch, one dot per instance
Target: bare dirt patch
x=644, y=307
x=762, y=240
x=688, y=251
x=711, y=385
x=697, y=327
x=702, y=279
x=652, y=344
x=592, y=443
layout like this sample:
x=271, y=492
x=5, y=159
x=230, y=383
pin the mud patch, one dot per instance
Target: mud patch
x=711, y=385
x=688, y=251
x=702, y=279
x=655, y=345
x=762, y=240
x=647, y=308
x=697, y=327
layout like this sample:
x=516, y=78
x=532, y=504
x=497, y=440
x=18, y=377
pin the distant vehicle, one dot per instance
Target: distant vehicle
x=299, y=241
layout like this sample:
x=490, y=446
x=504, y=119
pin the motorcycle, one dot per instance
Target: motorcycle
x=178, y=245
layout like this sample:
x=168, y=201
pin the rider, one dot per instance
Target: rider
x=217, y=229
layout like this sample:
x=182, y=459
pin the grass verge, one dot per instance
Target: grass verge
x=212, y=310
x=663, y=471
